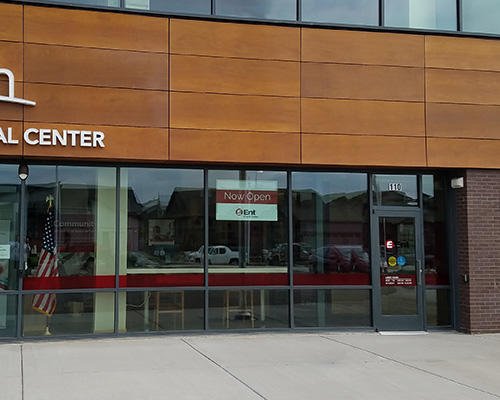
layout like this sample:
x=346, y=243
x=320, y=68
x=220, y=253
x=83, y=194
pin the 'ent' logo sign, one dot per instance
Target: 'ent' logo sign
x=11, y=98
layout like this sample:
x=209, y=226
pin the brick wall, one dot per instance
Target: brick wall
x=478, y=251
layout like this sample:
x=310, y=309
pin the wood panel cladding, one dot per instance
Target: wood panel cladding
x=95, y=29
x=336, y=46
x=230, y=146
x=121, y=143
x=360, y=117
x=11, y=57
x=8, y=111
x=12, y=149
x=11, y=21
x=237, y=76
x=362, y=82
x=91, y=105
x=454, y=86
x=463, y=153
x=234, y=40
x=95, y=67
x=363, y=150
x=230, y=112
x=463, y=121
x=462, y=53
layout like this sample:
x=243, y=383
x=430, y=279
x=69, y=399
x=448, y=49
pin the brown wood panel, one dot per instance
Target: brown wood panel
x=234, y=40
x=363, y=117
x=454, y=86
x=463, y=121
x=463, y=153
x=327, y=45
x=98, y=67
x=9, y=111
x=230, y=146
x=11, y=21
x=363, y=150
x=229, y=112
x=17, y=134
x=462, y=53
x=121, y=143
x=95, y=29
x=231, y=75
x=91, y=105
x=362, y=82
x=11, y=57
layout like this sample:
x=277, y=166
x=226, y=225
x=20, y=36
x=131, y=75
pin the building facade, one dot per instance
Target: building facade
x=225, y=165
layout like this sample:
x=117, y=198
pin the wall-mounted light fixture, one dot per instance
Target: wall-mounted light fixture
x=23, y=171
x=457, y=183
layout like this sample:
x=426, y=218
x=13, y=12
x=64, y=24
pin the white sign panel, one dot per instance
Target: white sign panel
x=4, y=251
x=246, y=200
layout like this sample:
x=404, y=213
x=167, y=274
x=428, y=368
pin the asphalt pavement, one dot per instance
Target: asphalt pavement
x=271, y=366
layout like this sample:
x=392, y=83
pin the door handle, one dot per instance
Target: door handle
x=419, y=272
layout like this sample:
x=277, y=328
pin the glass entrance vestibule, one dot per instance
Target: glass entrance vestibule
x=119, y=250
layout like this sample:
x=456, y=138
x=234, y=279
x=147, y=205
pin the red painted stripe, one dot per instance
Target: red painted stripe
x=332, y=279
x=69, y=282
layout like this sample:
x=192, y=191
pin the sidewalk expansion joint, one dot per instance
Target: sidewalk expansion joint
x=22, y=371
x=412, y=366
x=224, y=369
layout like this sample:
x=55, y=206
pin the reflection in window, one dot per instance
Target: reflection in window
x=436, y=260
x=356, y=12
x=331, y=307
x=176, y=6
x=8, y=313
x=247, y=228
x=261, y=9
x=82, y=201
x=438, y=307
x=481, y=16
x=101, y=3
x=75, y=313
x=423, y=14
x=395, y=190
x=162, y=216
x=330, y=228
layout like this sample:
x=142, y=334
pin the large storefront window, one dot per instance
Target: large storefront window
x=330, y=229
x=71, y=215
x=247, y=228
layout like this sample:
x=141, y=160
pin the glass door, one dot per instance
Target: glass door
x=397, y=271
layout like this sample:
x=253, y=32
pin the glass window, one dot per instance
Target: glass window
x=330, y=229
x=436, y=259
x=259, y=9
x=102, y=3
x=9, y=228
x=247, y=309
x=481, y=16
x=8, y=313
x=175, y=6
x=437, y=307
x=423, y=14
x=163, y=311
x=73, y=313
x=331, y=307
x=161, y=227
x=71, y=227
x=248, y=223
x=355, y=12
x=395, y=190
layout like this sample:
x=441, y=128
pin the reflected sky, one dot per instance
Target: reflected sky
x=481, y=16
x=361, y=12
x=423, y=14
x=268, y=9
x=181, y=6
x=327, y=183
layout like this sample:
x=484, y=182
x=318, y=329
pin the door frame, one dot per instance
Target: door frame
x=397, y=322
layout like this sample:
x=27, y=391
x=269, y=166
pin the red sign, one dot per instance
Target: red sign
x=389, y=244
x=246, y=196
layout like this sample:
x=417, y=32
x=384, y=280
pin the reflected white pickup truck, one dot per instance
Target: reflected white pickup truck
x=216, y=255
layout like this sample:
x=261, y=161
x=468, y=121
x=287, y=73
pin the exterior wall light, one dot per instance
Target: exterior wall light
x=23, y=171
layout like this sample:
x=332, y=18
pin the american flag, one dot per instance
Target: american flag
x=47, y=266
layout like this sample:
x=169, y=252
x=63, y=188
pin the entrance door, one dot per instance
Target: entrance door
x=397, y=271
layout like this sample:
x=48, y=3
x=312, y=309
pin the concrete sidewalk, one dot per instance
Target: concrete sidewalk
x=255, y=366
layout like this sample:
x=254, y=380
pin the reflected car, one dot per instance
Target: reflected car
x=340, y=258
x=138, y=259
x=279, y=254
